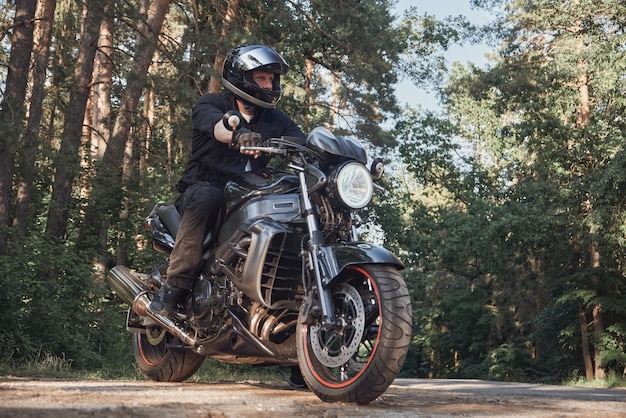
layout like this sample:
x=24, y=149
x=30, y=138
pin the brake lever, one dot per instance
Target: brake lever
x=266, y=150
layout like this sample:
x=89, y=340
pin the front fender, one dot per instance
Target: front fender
x=334, y=258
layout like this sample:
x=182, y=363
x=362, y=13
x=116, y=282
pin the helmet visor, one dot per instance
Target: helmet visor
x=254, y=59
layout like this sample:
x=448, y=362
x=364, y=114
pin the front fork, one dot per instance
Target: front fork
x=326, y=311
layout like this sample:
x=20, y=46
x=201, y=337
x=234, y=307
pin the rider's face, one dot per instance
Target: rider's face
x=263, y=79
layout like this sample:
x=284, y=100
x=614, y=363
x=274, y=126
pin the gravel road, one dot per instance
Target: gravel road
x=47, y=398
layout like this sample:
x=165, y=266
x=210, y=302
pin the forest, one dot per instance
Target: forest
x=507, y=205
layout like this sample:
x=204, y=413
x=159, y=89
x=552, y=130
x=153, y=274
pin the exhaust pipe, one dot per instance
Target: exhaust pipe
x=131, y=289
x=127, y=285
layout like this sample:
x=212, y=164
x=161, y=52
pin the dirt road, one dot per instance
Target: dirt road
x=405, y=398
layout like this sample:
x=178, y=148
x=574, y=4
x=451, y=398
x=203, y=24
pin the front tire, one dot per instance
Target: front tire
x=161, y=357
x=359, y=360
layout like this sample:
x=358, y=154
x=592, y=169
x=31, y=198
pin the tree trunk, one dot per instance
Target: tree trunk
x=584, y=113
x=121, y=138
x=215, y=83
x=12, y=107
x=584, y=332
x=597, y=317
x=96, y=228
x=169, y=142
x=31, y=142
x=308, y=92
x=308, y=80
x=146, y=45
x=598, y=331
x=595, y=255
x=145, y=134
x=67, y=162
x=102, y=82
x=335, y=105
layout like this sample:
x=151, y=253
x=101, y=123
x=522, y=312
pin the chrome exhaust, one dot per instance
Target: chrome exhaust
x=131, y=289
x=127, y=285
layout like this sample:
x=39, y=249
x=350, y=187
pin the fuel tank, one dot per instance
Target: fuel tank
x=267, y=181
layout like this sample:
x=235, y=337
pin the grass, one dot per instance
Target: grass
x=40, y=365
x=43, y=365
x=213, y=371
x=612, y=380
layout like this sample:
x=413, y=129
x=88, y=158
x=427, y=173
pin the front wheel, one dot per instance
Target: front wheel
x=161, y=357
x=358, y=360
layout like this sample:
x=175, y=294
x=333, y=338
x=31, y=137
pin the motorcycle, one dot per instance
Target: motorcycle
x=286, y=282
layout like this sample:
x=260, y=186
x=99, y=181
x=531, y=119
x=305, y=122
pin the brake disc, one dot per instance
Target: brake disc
x=336, y=347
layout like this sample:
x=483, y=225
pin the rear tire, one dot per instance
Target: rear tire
x=358, y=361
x=161, y=357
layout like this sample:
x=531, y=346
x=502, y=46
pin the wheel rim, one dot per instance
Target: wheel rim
x=338, y=360
x=152, y=345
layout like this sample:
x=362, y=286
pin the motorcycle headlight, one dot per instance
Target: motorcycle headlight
x=352, y=184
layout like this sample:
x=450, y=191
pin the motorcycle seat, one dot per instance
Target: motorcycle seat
x=170, y=217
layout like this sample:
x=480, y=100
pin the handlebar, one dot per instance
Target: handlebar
x=293, y=149
x=266, y=150
x=280, y=146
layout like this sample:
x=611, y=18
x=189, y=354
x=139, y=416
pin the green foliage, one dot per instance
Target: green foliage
x=508, y=362
x=355, y=44
x=54, y=311
x=516, y=188
x=425, y=40
x=555, y=334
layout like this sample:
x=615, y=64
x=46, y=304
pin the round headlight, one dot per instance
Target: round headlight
x=354, y=185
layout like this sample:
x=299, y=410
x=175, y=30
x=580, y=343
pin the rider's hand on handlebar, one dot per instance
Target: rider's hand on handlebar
x=246, y=138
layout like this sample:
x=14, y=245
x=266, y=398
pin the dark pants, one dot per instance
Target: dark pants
x=200, y=206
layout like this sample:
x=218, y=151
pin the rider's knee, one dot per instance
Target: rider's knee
x=204, y=194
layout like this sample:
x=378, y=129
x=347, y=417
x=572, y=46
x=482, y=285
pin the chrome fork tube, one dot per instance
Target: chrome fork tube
x=316, y=239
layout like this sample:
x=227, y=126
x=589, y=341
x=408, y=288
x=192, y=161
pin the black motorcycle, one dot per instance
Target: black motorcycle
x=286, y=281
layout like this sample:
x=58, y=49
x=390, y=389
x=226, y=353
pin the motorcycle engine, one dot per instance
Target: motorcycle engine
x=207, y=303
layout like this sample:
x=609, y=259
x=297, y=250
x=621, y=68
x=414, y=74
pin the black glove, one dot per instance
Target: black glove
x=233, y=117
x=245, y=138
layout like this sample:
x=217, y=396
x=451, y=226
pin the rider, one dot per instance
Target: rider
x=251, y=77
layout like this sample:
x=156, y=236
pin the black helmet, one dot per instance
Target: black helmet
x=237, y=74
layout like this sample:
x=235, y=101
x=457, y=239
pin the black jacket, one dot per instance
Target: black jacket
x=214, y=161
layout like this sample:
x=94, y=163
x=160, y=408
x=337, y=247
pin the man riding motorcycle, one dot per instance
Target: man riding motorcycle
x=266, y=267
x=251, y=77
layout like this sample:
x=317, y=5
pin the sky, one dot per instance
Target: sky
x=412, y=95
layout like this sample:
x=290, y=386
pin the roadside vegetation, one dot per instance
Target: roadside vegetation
x=48, y=366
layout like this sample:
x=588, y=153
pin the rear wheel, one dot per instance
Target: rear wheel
x=358, y=360
x=161, y=356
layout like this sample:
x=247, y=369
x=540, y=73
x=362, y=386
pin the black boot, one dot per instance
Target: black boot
x=165, y=299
